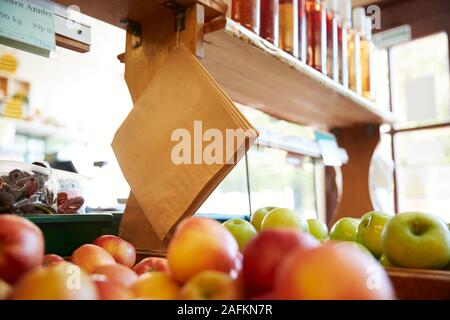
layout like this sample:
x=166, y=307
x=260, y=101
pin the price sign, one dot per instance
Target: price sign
x=329, y=149
x=392, y=37
x=27, y=26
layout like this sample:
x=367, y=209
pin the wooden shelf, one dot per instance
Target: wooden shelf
x=113, y=11
x=256, y=73
x=420, y=284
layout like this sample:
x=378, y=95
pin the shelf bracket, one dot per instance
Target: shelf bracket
x=180, y=12
x=136, y=31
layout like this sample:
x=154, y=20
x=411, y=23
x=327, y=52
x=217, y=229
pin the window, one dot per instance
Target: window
x=420, y=81
x=423, y=171
x=231, y=196
x=279, y=178
x=419, y=144
x=268, y=176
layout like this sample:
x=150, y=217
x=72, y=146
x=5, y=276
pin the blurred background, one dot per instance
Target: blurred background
x=68, y=107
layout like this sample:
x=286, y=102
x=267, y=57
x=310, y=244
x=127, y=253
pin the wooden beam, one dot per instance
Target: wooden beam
x=360, y=143
x=364, y=3
x=71, y=44
x=141, y=64
x=255, y=73
x=121, y=57
x=425, y=127
x=141, y=11
x=333, y=192
x=215, y=25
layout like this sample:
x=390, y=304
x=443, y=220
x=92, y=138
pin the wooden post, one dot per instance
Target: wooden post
x=360, y=143
x=333, y=192
x=157, y=39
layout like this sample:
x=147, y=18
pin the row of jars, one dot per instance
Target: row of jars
x=325, y=34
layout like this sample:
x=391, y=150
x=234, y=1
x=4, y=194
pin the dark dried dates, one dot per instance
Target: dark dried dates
x=23, y=193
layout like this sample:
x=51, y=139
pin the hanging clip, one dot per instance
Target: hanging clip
x=135, y=29
x=180, y=12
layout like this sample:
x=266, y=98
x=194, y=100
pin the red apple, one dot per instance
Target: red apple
x=155, y=286
x=110, y=290
x=265, y=252
x=21, y=247
x=117, y=273
x=210, y=285
x=51, y=260
x=151, y=264
x=201, y=244
x=122, y=251
x=63, y=281
x=89, y=257
x=332, y=273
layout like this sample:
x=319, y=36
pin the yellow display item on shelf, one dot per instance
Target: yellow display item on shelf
x=8, y=63
x=13, y=108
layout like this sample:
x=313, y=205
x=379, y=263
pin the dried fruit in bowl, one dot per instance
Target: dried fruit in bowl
x=23, y=192
x=68, y=205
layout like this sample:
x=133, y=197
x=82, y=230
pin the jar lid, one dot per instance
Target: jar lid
x=359, y=20
x=345, y=10
x=332, y=5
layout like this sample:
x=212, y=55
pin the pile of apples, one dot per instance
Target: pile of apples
x=277, y=255
x=103, y=270
x=409, y=240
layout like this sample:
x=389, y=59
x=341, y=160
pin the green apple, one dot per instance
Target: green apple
x=318, y=229
x=369, y=231
x=384, y=261
x=284, y=218
x=416, y=240
x=241, y=230
x=257, y=217
x=355, y=245
x=345, y=229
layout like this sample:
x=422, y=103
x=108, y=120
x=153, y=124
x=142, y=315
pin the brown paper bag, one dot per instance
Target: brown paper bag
x=153, y=150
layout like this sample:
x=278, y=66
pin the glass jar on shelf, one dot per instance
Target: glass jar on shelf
x=245, y=12
x=354, y=49
x=316, y=30
x=344, y=29
x=367, y=51
x=333, y=18
x=288, y=26
x=268, y=20
x=302, y=32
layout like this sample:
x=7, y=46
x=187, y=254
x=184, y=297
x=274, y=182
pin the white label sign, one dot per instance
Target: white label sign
x=392, y=37
x=27, y=23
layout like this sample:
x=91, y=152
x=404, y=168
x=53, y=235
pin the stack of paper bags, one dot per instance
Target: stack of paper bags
x=174, y=148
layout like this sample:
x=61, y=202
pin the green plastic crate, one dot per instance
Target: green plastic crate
x=66, y=232
x=114, y=227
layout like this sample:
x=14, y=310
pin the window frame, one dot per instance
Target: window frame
x=395, y=131
x=319, y=207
